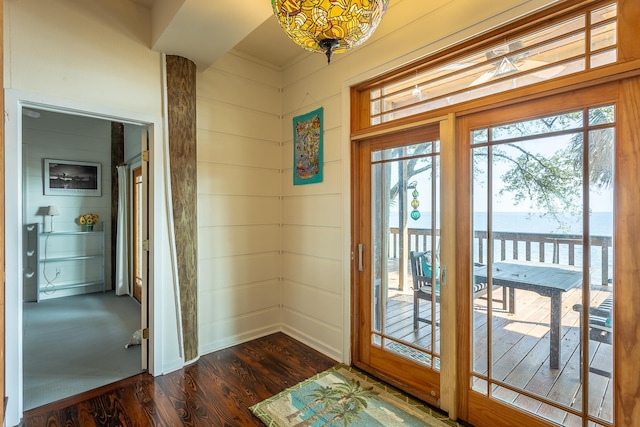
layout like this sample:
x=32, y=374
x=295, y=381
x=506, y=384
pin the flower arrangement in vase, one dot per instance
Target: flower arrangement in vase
x=89, y=220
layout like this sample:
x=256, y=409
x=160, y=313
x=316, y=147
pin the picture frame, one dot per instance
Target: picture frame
x=307, y=148
x=71, y=178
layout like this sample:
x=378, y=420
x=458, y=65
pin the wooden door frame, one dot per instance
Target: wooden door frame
x=16, y=100
x=627, y=204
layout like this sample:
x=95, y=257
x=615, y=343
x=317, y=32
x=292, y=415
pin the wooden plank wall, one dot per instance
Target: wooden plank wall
x=240, y=211
x=181, y=103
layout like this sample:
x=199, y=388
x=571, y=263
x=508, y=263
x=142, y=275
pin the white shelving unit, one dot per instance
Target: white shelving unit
x=61, y=260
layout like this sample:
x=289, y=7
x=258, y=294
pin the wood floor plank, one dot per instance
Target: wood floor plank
x=217, y=390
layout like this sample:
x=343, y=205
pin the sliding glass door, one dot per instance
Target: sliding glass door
x=398, y=259
x=541, y=240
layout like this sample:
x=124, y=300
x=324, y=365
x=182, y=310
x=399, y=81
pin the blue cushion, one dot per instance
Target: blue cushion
x=426, y=267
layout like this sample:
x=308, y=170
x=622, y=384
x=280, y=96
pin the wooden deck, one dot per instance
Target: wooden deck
x=521, y=351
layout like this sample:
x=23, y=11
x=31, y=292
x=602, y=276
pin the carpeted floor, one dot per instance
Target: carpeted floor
x=75, y=344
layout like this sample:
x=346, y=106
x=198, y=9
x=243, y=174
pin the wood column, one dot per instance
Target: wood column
x=181, y=103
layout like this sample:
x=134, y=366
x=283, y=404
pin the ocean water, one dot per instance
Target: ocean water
x=601, y=223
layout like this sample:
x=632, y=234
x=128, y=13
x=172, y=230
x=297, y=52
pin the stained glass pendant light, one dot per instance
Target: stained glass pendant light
x=329, y=26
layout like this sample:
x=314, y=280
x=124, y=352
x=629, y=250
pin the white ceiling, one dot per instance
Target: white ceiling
x=269, y=43
x=204, y=30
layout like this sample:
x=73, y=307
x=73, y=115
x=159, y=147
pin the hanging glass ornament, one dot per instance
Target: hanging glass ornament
x=415, y=213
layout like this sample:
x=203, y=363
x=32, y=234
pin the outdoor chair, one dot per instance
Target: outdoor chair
x=422, y=270
x=600, y=327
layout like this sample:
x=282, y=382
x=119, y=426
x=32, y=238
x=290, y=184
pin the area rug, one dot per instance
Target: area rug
x=344, y=396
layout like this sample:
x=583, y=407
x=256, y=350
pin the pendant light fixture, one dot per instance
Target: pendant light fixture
x=329, y=26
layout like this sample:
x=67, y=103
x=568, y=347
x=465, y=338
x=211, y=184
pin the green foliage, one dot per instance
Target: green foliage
x=549, y=182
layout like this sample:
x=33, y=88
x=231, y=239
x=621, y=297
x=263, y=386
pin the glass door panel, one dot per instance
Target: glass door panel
x=542, y=226
x=405, y=207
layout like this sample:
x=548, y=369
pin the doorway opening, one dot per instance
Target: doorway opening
x=78, y=334
x=16, y=102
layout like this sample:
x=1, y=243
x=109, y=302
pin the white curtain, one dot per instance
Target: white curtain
x=122, y=248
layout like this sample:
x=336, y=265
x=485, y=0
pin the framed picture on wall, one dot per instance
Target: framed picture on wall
x=71, y=178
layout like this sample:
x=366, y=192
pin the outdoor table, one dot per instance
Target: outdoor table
x=542, y=278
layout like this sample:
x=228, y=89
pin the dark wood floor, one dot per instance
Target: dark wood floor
x=217, y=390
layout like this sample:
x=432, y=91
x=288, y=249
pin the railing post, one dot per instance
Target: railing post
x=572, y=254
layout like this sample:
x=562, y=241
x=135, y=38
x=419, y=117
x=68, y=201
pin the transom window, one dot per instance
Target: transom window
x=579, y=43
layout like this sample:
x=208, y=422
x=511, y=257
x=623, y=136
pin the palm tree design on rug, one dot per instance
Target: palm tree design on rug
x=320, y=395
x=346, y=412
x=344, y=401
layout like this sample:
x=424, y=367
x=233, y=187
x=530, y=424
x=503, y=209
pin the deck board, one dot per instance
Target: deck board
x=521, y=349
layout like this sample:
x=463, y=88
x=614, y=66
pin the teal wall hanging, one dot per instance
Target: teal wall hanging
x=307, y=148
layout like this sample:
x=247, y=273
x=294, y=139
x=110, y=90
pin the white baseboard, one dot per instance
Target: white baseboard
x=238, y=339
x=259, y=333
x=172, y=366
x=331, y=352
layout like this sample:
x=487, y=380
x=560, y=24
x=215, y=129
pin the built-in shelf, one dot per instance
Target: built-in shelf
x=69, y=258
x=65, y=233
x=48, y=254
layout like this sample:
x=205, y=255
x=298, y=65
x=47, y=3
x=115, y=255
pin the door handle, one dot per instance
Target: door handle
x=360, y=248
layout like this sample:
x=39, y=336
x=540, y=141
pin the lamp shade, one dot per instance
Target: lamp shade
x=329, y=25
x=53, y=211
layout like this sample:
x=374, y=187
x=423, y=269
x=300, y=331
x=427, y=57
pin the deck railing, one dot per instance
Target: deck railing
x=553, y=248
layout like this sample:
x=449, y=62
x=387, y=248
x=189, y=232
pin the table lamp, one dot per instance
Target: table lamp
x=52, y=211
